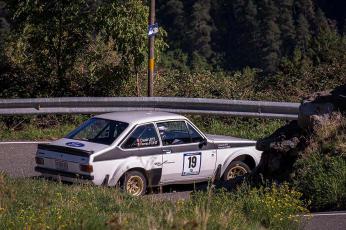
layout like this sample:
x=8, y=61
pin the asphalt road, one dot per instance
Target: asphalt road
x=18, y=160
x=326, y=221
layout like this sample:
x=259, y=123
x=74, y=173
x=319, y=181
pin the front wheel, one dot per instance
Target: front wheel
x=135, y=183
x=235, y=170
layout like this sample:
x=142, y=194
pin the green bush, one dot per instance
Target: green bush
x=275, y=206
x=320, y=171
x=322, y=179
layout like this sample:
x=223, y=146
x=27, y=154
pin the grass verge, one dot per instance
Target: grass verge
x=39, y=128
x=40, y=204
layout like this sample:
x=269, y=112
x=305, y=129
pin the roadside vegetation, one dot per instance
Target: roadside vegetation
x=240, y=49
x=34, y=128
x=41, y=204
x=320, y=172
x=55, y=127
x=258, y=50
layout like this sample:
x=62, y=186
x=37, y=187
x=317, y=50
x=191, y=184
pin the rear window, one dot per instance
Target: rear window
x=98, y=130
x=143, y=136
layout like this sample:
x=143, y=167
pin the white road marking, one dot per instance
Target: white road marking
x=326, y=214
x=23, y=142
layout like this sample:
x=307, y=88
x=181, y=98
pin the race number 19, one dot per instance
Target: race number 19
x=192, y=164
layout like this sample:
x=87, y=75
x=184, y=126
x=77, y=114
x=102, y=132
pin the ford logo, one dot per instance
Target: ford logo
x=75, y=144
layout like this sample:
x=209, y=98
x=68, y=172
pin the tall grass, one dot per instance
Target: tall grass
x=40, y=204
x=320, y=172
x=251, y=128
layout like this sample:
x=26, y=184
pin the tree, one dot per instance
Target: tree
x=271, y=33
x=303, y=33
x=172, y=16
x=321, y=22
x=200, y=29
x=3, y=32
x=64, y=46
x=306, y=8
x=243, y=34
x=249, y=39
x=51, y=34
x=287, y=27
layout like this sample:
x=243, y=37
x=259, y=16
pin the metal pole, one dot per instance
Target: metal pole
x=151, y=60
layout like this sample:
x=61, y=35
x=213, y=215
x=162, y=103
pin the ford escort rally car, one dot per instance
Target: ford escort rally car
x=137, y=150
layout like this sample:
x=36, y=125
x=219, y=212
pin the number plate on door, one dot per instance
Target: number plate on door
x=192, y=164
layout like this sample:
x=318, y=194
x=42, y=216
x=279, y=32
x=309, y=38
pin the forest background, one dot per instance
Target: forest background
x=234, y=49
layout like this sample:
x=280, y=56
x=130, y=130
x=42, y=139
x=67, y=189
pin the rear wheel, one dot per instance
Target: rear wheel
x=135, y=183
x=235, y=170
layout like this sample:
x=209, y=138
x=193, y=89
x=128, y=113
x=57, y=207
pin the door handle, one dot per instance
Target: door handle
x=167, y=151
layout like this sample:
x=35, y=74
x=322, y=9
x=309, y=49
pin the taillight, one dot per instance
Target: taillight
x=86, y=168
x=39, y=160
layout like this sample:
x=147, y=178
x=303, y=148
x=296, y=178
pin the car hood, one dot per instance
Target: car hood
x=228, y=139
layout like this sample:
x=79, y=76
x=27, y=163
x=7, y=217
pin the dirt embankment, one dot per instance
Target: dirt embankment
x=283, y=147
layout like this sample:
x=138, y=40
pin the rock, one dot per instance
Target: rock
x=282, y=140
x=339, y=98
x=309, y=112
x=319, y=106
x=281, y=149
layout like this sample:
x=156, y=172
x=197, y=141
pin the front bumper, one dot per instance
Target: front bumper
x=65, y=176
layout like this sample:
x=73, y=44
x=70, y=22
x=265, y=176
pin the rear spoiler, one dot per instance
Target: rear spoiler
x=67, y=150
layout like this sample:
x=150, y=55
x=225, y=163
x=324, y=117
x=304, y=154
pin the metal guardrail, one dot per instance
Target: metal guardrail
x=87, y=105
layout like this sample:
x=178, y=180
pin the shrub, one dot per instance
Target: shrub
x=322, y=179
x=320, y=172
x=275, y=206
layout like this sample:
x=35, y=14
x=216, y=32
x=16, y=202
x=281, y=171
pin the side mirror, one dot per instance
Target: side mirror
x=204, y=142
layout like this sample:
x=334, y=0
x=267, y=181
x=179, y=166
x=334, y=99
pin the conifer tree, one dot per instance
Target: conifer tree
x=321, y=21
x=270, y=36
x=242, y=36
x=303, y=33
x=307, y=8
x=4, y=29
x=172, y=16
x=200, y=29
x=286, y=24
x=252, y=34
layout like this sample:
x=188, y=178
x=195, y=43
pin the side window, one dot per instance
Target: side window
x=195, y=136
x=143, y=136
x=174, y=132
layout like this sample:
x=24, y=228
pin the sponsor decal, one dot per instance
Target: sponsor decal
x=146, y=142
x=223, y=146
x=75, y=144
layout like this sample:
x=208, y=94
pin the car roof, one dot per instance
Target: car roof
x=137, y=117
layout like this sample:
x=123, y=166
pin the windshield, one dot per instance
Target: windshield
x=98, y=130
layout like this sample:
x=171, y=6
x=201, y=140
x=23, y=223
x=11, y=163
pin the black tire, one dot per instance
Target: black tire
x=236, y=166
x=132, y=180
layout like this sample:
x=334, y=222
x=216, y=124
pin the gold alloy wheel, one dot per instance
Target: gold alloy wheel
x=135, y=185
x=235, y=172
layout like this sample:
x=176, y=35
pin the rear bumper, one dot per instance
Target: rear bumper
x=56, y=174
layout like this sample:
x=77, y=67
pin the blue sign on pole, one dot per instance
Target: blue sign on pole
x=153, y=29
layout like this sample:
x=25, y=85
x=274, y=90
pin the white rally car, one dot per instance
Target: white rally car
x=137, y=150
